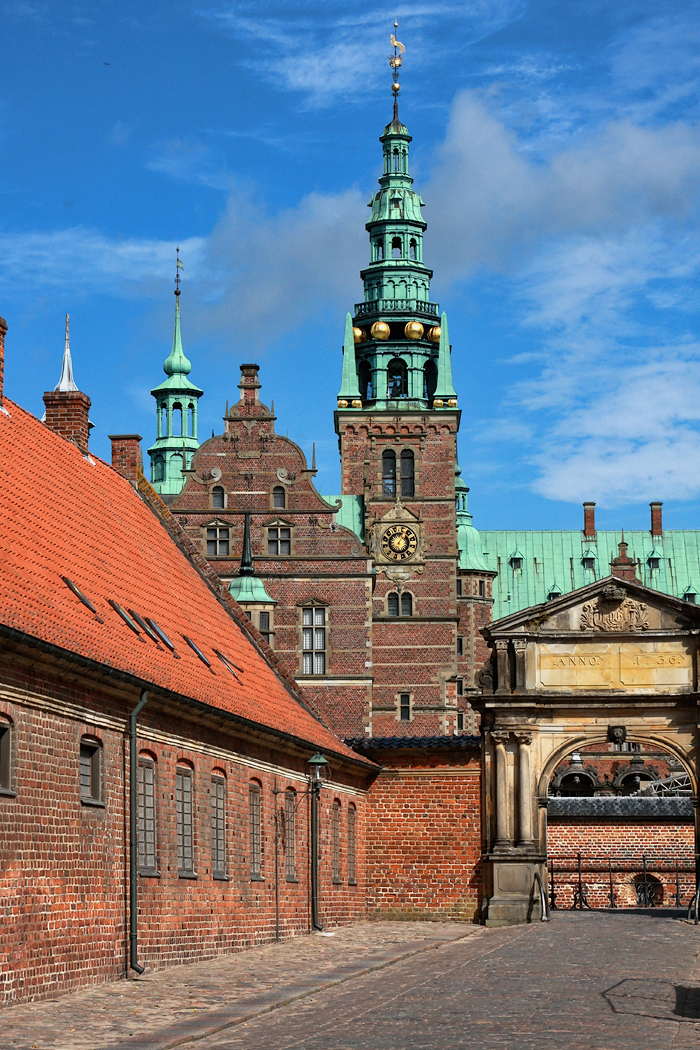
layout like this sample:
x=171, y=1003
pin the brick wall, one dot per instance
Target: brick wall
x=624, y=843
x=64, y=864
x=423, y=837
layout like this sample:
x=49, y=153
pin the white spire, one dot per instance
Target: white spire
x=66, y=382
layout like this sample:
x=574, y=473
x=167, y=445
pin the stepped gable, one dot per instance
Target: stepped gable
x=102, y=536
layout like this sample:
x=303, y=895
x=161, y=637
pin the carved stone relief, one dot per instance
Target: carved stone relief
x=627, y=615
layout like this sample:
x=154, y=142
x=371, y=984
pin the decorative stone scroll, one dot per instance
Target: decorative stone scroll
x=627, y=615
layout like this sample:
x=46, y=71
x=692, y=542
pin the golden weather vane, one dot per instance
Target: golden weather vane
x=178, y=266
x=395, y=61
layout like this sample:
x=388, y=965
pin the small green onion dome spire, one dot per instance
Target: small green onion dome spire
x=177, y=363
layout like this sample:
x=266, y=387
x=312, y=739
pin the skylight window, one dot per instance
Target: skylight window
x=162, y=635
x=125, y=617
x=79, y=594
x=195, y=649
x=229, y=664
x=144, y=626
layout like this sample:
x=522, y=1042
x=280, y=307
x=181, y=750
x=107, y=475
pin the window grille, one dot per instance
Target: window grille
x=218, y=497
x=314, y=631
x=217, y=542
x=90, y=772
x=279, y=497
x=279, y=541
x=5, y=755
x=290, y=834
x=255, y=851
x=460, y=646
x=265, y=626
x=352, y=875
x=146, y=815
x=185, y=842
x=336, y=841
x=406, y=605
x=218, y=826
x=405, y=707
x=389, y=473
x=407, y=473
x=392, y=604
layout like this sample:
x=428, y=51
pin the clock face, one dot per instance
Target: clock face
x=399, y=542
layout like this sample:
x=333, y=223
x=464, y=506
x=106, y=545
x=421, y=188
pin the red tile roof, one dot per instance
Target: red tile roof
x=65, y=514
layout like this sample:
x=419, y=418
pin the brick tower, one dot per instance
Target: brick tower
x=397, y=420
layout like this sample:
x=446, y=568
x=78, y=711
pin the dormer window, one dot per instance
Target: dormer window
x=588, y=563
x=653, y=561
x=690, y=596
x=516, y=562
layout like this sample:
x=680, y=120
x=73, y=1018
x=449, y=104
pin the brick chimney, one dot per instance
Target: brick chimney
x=3, y=329
x=656, y=527
x=249, y=386
x=126, y=455
x=589, y=519
x=67, y=415
x=623, y=566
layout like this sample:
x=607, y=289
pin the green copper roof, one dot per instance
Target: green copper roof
x=468, y=538
x=554, y=561
x=250, y=590
x=445, y=388
x=176, y=366
x=349, y=386
x=350, y=515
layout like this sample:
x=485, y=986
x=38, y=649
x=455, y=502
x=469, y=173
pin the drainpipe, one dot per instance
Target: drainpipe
x=133, y=838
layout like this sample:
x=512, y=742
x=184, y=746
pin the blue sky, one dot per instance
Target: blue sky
x=556, y=146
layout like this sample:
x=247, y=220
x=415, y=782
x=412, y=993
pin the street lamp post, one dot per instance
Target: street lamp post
x=319, y=771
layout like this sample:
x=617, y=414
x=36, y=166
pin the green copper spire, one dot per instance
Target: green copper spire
x=468, y=539
x=176, y=408
x=177, y=363
x=349, y=387
x=444, y=391
x=246, y=588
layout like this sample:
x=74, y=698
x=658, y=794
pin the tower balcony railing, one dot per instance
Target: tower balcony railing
x=397, y=306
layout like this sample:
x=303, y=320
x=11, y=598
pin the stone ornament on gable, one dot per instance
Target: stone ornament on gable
x=627, y=615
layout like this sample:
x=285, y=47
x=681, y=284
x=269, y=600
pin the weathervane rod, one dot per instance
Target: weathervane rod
x=395, y=61
x=178, y=267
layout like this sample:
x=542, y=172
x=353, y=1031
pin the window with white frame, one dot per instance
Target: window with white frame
x=314, y=639
x=279, y=541
x=217, y=542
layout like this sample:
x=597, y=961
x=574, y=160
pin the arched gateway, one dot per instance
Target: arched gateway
x=613, y=660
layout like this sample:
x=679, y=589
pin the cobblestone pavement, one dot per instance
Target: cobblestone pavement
x=168, y=1007
x=591, y=981
x=585, y=981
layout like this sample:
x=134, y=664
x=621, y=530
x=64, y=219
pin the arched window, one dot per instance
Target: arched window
x=397, y=378
x=290, y=799
x=388, y=473
x=90, y=770
x=364, y=379
x=159, y=469
x=577, y=785
x=407, y=473
x=351, y=845
x=190, y=420
x=379, y=251
x=279, y=497
x=412, y=249
x=146, y=794
x=5, y=755
x=218, y=824
x=184, y=814
x=254, y=814
x=177, y=418
x=396, y=247
x=406, y=604
x=429, y=380
x=392, y=604
x=631, y=783
x=396, y=160
x=162, y=421
x=335, y=832
x=218, y=497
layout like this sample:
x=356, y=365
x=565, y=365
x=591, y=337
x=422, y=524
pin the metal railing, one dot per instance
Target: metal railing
x=544, y=917
x=652, y=878
x=397, y=306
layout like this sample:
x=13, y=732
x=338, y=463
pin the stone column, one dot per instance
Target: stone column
x=525, y=790
x=502, y=669
x=520, y=646
x=500, y=738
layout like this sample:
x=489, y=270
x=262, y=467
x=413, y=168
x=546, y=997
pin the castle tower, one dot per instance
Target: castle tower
x=397, y=419
x=176, y=414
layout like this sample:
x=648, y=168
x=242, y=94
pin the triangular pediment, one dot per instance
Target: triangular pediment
x=608, y=606
x=399, y=513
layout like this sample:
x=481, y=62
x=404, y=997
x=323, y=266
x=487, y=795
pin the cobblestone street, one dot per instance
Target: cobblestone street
x=591, y=981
